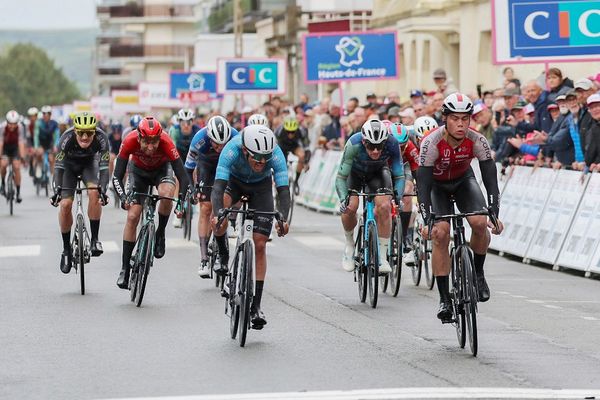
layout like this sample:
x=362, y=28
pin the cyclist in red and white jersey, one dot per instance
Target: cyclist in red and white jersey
x=12, y=148
x=445, y=171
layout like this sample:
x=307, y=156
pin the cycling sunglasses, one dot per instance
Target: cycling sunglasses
x=371, y=146
x=85, y=133
x=260, y=157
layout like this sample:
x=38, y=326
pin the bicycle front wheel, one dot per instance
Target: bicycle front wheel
x=426, y=258
x=144, y=267
x=247, y=292
x=187, y=220
x=232, y=300
x=457, y=299
x=470, y=297
x=292, y=201
x=360, y=266
x=373, y=265
x=81, y=252
x=417, y=269
x=395, y=258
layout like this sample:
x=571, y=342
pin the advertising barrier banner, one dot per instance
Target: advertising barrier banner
x=126, y=101
x=198, y=86
x=337, y=57
x=251, y=75
x=156, y=95
x=545, y=30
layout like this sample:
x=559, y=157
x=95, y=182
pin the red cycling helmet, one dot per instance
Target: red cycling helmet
x=149, y=127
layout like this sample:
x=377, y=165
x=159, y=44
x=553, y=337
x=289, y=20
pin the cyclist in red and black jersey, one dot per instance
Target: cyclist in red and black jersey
x=445, y=171
x=154, y=158
x=12, y=147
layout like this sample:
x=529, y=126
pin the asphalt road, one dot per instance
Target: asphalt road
x=539, y=330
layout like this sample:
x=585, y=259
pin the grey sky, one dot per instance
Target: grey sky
x=47, y=14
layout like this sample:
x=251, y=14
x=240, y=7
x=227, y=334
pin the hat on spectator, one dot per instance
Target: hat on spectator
x=408, y=112
x=370, y=95
x=529, y=109
x=519, y=105
x=584, y=84
x=416, y=93
x=246, y=110
x=511, y=92
x=571, y=93
x=479, y=107
x=439, y=73
x=382, y=110
x=595, y=98
x=394, y=112
x=560, y=97
x=552, y=106
x=595, y=77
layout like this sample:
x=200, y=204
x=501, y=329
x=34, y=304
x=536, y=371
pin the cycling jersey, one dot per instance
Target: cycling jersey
x=232, y=162
x=166, y=152
x=356, y=160
x=115, y=144
x=410, y=155
x=181, y=140
x=46, y=133
x=11, y=135
x=202, y=151
x=290, y=141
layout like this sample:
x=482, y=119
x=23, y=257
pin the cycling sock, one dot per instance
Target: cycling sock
x=18, y=190
x=222, y=243
x=405, y=218
x=349, y=236
x=66, y=237
x=258, y=294
x=162, y=223
x=384, y=244
x=443, y=287
x=203, y=247
x=94, y=228
x=127, y=251
x=479, y=259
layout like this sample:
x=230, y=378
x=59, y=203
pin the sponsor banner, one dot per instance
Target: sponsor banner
x=126, y=101
x=545, y=30
x=101, y=105
x=337, y=57
x=81, y=106
x=196, y=86
x=557, y=216
x=156, y=95
x=251, y=75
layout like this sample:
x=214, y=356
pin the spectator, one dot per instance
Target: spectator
x=444, y=86
x=553, y=111
x=534, y=94
x=420, y=110
x=333, y=131
x=371, y=98
x=482, y=116
x=558, y=142
x=394, y=114
x=360, y=117
x=584, y=89
x=517, y=120
x=304, y=102
x=592, y=154
x=488, y=98
x=511, y=97
x=416, y=97
x=407, y=116
x=556, y=82
x=437, y=102
x=509, y=77
x=393, y=100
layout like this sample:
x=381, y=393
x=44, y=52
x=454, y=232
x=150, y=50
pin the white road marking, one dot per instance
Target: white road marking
x=20, y=251
x=501, y=292
x=516, y=296
x=536, y=301
x=552, y=306
x=403, y=393
x=320, y=242
x=590, y=318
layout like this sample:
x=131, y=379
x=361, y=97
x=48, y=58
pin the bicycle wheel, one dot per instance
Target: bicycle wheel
x=10, y=191
x=426, y=258
x=457, y=299
x=417, y=269
x=81, y=251
x=470, y=297
x=137, y=259
x=187, y=220
x=395, y=258
x=234, y=307
x=292, y=201
x=144, y=267
x=246, y=292
x=373, y=265
x=360, y=267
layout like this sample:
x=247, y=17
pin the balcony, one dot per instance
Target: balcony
x=221, y=16
x=136, y=13
x=154, y=52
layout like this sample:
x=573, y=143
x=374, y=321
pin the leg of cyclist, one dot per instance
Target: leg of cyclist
x=90, y=177
x=129, y=234
x=440, y=260
x=165, y=207
x=203, y=234
x=349, y=222
x=221, y=235
x=3, y=165
x=383, y=216
x=65, y=221
x=16, y=163
x=299, y=152
x=405, y=218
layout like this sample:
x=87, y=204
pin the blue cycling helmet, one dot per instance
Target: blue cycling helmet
x=400, y=132
x=135, y=120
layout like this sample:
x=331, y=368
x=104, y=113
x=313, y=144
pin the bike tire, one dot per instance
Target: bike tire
x=457, y=300
x=470, y=298
x=10, y=196
x=395, y=258
x=81, y=252
x=137, y=259
x=234, y=307
x=384, y=283
x=417, y=269
x=373, y=266
x=292, y=201
x=187, y=221
x=359, y=260
x=429, y=278
x=247, y=286
x=144, y=268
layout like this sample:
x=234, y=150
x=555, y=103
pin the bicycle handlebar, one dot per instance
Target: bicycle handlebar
x=224, y=212
x=487, y=212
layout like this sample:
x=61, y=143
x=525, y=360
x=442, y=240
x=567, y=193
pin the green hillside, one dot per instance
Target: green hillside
x=71, y=50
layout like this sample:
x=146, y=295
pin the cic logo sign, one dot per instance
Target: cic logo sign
x=241, y=75
x=554, y=28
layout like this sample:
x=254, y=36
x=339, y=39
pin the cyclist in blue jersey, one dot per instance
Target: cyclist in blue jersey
x=203, y=157
x=45, y=138
x=247, y=167
x=367, y=160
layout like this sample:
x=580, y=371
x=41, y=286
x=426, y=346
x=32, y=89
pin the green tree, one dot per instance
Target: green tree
x=28, y=77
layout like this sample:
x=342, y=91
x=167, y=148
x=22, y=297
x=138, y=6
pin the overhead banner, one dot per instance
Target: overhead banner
x=199, y=86
x=339, y=57
x=126, y=101
x=156, y=95
x=251, y=75
x=545, y=30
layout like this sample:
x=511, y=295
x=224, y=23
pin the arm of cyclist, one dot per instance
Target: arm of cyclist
x=490, y=181
x=59, y=165
x=117, y=180
x=397, y=169
x=341, y=186
x=280, y=176
x=184, y=183
x=427, y=158
x=216, y=197
x=104, y=159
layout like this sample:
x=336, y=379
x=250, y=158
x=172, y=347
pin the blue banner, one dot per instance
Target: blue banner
x=554, y=28
x=193, y=82
x=345, y=57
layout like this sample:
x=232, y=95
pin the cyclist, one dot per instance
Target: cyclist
x=133, y=124
x=424, y=125
x=114, y=139
x=82, y=151
x=445, y=171
x=258, y=119
x=203, y=157
x=182, y=134
x=32, y=115
x=410, y=155
x=45, y=138
x=367, y=160
x=247, y=167
x=154, y=157
x=292, y=138
x=12, y=148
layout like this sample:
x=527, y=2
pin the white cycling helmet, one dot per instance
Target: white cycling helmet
x=424, y=125
x=46, y=109
x=218, y=129
x=12, y=117
x=32, y=111
x=374, y=131
x=258, y=119
x=185, y=114
x=258, y=139
x=457, y=103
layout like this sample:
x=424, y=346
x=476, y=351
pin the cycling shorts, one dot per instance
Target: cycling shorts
x=289, y=148
x=11, y=151
x=380, y=179
x=205, y=175
x=465, y=190
x=260, y=198
x=46, y=145
x=140, y=180
x=88, y=170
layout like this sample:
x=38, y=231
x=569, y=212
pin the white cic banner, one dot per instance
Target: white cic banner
x=557, y=216
x=580, y=249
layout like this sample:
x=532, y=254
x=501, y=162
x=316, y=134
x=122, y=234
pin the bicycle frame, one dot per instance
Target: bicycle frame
x=245, y=226
x=369, y=211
